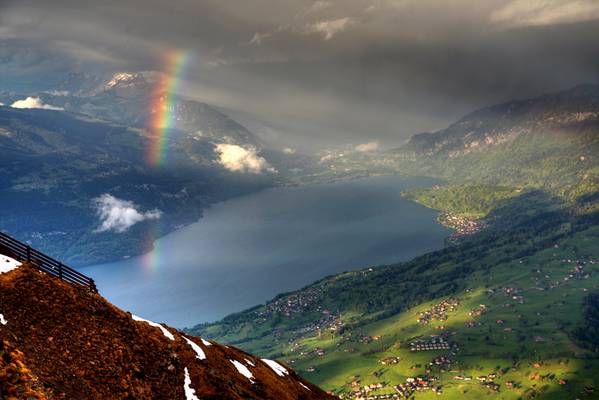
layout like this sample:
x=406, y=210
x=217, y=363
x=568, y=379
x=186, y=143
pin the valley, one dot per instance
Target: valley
x=246, y=250
x=498, y=312
x=513, y=312
x=299, y=200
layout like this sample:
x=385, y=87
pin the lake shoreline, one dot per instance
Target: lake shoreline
x=276, y=240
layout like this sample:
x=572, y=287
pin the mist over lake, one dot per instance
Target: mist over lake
x=246, y=250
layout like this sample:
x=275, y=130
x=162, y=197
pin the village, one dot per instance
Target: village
x=431, y=376
x=438, y=311
x=289, y=305
x=463, y=226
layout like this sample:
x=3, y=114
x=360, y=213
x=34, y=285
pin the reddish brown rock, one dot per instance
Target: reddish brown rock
x=63, y=342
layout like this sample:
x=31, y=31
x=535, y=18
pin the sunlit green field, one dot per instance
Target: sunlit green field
x=549, y=309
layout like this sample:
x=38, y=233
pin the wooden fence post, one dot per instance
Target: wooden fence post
x=60, y=270
x=28, y=253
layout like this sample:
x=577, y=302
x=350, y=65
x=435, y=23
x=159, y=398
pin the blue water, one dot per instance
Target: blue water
x=246, y=250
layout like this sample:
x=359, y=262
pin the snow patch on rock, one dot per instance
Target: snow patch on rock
x=250, y=363
x=2, y=320
x=8, y=264
x=190, y=393
x=243, y=370
x=275, y=366
x=206, y=343
x=306, y=387
x=165, y=331
x=199, y=352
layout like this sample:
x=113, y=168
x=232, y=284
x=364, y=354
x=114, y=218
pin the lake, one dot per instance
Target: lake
x=246, y=250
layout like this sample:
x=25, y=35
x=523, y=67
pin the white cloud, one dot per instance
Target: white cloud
x=545, y=12
x=240, y=159
x=370, y=146
x=288, y=150
x=318, y=5
x=259, y=37
x=119, y=215
x=1, y=104
x=34, y=102
x=329, y=28
x=58, y=92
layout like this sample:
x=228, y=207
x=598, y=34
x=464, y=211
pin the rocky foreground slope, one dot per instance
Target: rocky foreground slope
x=62, y=342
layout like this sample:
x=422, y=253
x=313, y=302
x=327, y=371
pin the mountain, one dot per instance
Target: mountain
x=56, y=164
x=489, y=127
x=93, y=139
x=550, y=141
x=61, y=341
x=134, y=99
x=506, y=310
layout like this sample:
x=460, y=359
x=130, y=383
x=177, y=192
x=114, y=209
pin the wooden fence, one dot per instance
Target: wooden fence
x=25, y=253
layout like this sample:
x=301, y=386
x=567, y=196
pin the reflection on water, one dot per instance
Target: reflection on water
x=246, y=250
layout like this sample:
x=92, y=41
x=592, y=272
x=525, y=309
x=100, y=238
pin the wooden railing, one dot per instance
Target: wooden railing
x=25, y=253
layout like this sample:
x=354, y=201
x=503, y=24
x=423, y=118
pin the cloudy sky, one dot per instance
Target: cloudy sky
x=315, y=73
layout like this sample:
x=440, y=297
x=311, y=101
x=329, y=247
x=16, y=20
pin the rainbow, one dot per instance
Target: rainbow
x=163, y=106
x=152, y=259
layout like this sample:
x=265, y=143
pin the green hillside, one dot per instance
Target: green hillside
x=532, y=281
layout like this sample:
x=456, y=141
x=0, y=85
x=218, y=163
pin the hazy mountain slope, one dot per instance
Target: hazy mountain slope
x=70, y=343
x=551, y=141
x=502, y=123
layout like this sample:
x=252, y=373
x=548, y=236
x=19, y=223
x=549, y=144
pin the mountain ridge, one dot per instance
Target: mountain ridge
x=503, y=122
x=66, y=342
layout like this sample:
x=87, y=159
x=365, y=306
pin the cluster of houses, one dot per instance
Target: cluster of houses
x=292, y=304
x=362, y=396
x=359, y=392
x=390, y=360
x=472, y=324
x=514, y=293
x=442, y=362
x=417, y=384
x=367, y=338
x=463, y=226
x=328, y=322
x=491, y=385
x=438, y=311
x=488, y=381
x=577, y=272
x=435, y=343
x=478, y=311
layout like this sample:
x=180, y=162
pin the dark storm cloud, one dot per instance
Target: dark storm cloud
x=317, y=73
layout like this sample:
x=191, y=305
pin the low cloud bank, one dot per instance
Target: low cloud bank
x=370, y=146
x=329, y=28
x=242, y=159
x=119, y=215
x=34, y=102
x=517, y=13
